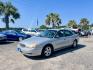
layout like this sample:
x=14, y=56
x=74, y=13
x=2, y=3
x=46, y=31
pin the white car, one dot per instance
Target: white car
x=91, y=32
x=48, y=42
x=30, y=31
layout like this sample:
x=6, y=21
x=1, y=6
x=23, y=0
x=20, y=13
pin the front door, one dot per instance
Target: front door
x=59, y=40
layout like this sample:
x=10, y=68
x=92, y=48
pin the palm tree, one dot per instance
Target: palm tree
x=84, y=21
x=72, y=23
x=53, y=19
x=8, y=13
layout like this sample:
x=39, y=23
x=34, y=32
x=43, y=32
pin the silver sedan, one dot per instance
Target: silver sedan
x=48, y=42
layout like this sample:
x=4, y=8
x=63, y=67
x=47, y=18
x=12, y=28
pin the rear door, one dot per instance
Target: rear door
x=69, y=37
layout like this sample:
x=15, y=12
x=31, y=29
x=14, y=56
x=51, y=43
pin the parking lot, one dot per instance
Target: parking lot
x=80, y=58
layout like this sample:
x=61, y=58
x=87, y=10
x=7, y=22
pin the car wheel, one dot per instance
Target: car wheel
x=47, y=51
x=74, y=44
x=20, y=38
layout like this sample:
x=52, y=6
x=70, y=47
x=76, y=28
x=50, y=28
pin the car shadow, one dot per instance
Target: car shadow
x=58, y=53
x=6, y=42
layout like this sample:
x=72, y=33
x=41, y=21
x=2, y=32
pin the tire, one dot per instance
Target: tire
x=47, y=51
x=20, y=39
x=74, y=43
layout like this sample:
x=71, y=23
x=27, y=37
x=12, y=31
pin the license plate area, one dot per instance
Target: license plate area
x=18, y=49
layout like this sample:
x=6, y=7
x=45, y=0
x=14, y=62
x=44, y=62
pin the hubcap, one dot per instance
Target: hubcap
x=47, y=51
x=20, y=39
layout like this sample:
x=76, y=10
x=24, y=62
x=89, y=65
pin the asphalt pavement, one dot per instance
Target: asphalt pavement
x=79, y=58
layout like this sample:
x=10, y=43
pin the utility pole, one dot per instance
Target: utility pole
x=37, y=22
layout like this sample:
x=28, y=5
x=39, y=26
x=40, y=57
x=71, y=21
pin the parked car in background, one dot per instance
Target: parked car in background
x=91, y=32
x=84, y=33
x=31, y=31
x=48, y=42
x=13, y=35
x=2, y=37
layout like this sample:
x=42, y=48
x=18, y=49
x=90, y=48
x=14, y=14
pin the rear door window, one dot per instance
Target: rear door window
x=60, y=33
x=68, y=33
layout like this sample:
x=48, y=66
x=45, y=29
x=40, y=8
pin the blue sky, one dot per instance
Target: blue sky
x=30, y=10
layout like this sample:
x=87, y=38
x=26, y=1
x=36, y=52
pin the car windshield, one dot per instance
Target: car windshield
x=32, y=31
x=25, y=30
x=48, y=33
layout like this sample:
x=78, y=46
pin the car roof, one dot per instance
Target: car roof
x=9, y=31
x=54, y=29
x=60, y=29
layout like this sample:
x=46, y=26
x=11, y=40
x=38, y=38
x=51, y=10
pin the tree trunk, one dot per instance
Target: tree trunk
x=7, y=21
x=7, y=25
x=53, y=24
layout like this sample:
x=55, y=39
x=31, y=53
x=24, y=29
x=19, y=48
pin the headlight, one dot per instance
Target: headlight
x=33, y=45
x=22, y=45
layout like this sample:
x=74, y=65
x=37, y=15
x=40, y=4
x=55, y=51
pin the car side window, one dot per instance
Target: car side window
x=74, y=32
x=32, y=31
x=60, y=34
x=68, y=33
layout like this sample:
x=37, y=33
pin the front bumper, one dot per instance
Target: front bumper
x=3, y=39
x=29, y=51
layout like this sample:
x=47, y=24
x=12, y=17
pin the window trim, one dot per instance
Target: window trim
x=68, y=31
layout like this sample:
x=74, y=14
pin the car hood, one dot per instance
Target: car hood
x=19, y=34
x=2, y=35
x=35, y=40
x=23, y=34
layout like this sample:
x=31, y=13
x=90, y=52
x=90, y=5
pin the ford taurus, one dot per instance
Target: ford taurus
x=48, y=42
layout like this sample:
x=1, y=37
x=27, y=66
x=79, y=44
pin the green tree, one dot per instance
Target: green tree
x=84, y=22
x=53, y=19
x=8, y=13
x=43, y=27
x=72, y=23
x=85, y=27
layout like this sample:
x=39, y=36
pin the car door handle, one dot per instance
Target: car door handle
x=64, y=39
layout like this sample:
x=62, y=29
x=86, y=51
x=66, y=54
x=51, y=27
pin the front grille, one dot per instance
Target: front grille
x=1, y=38
x=22, y=45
